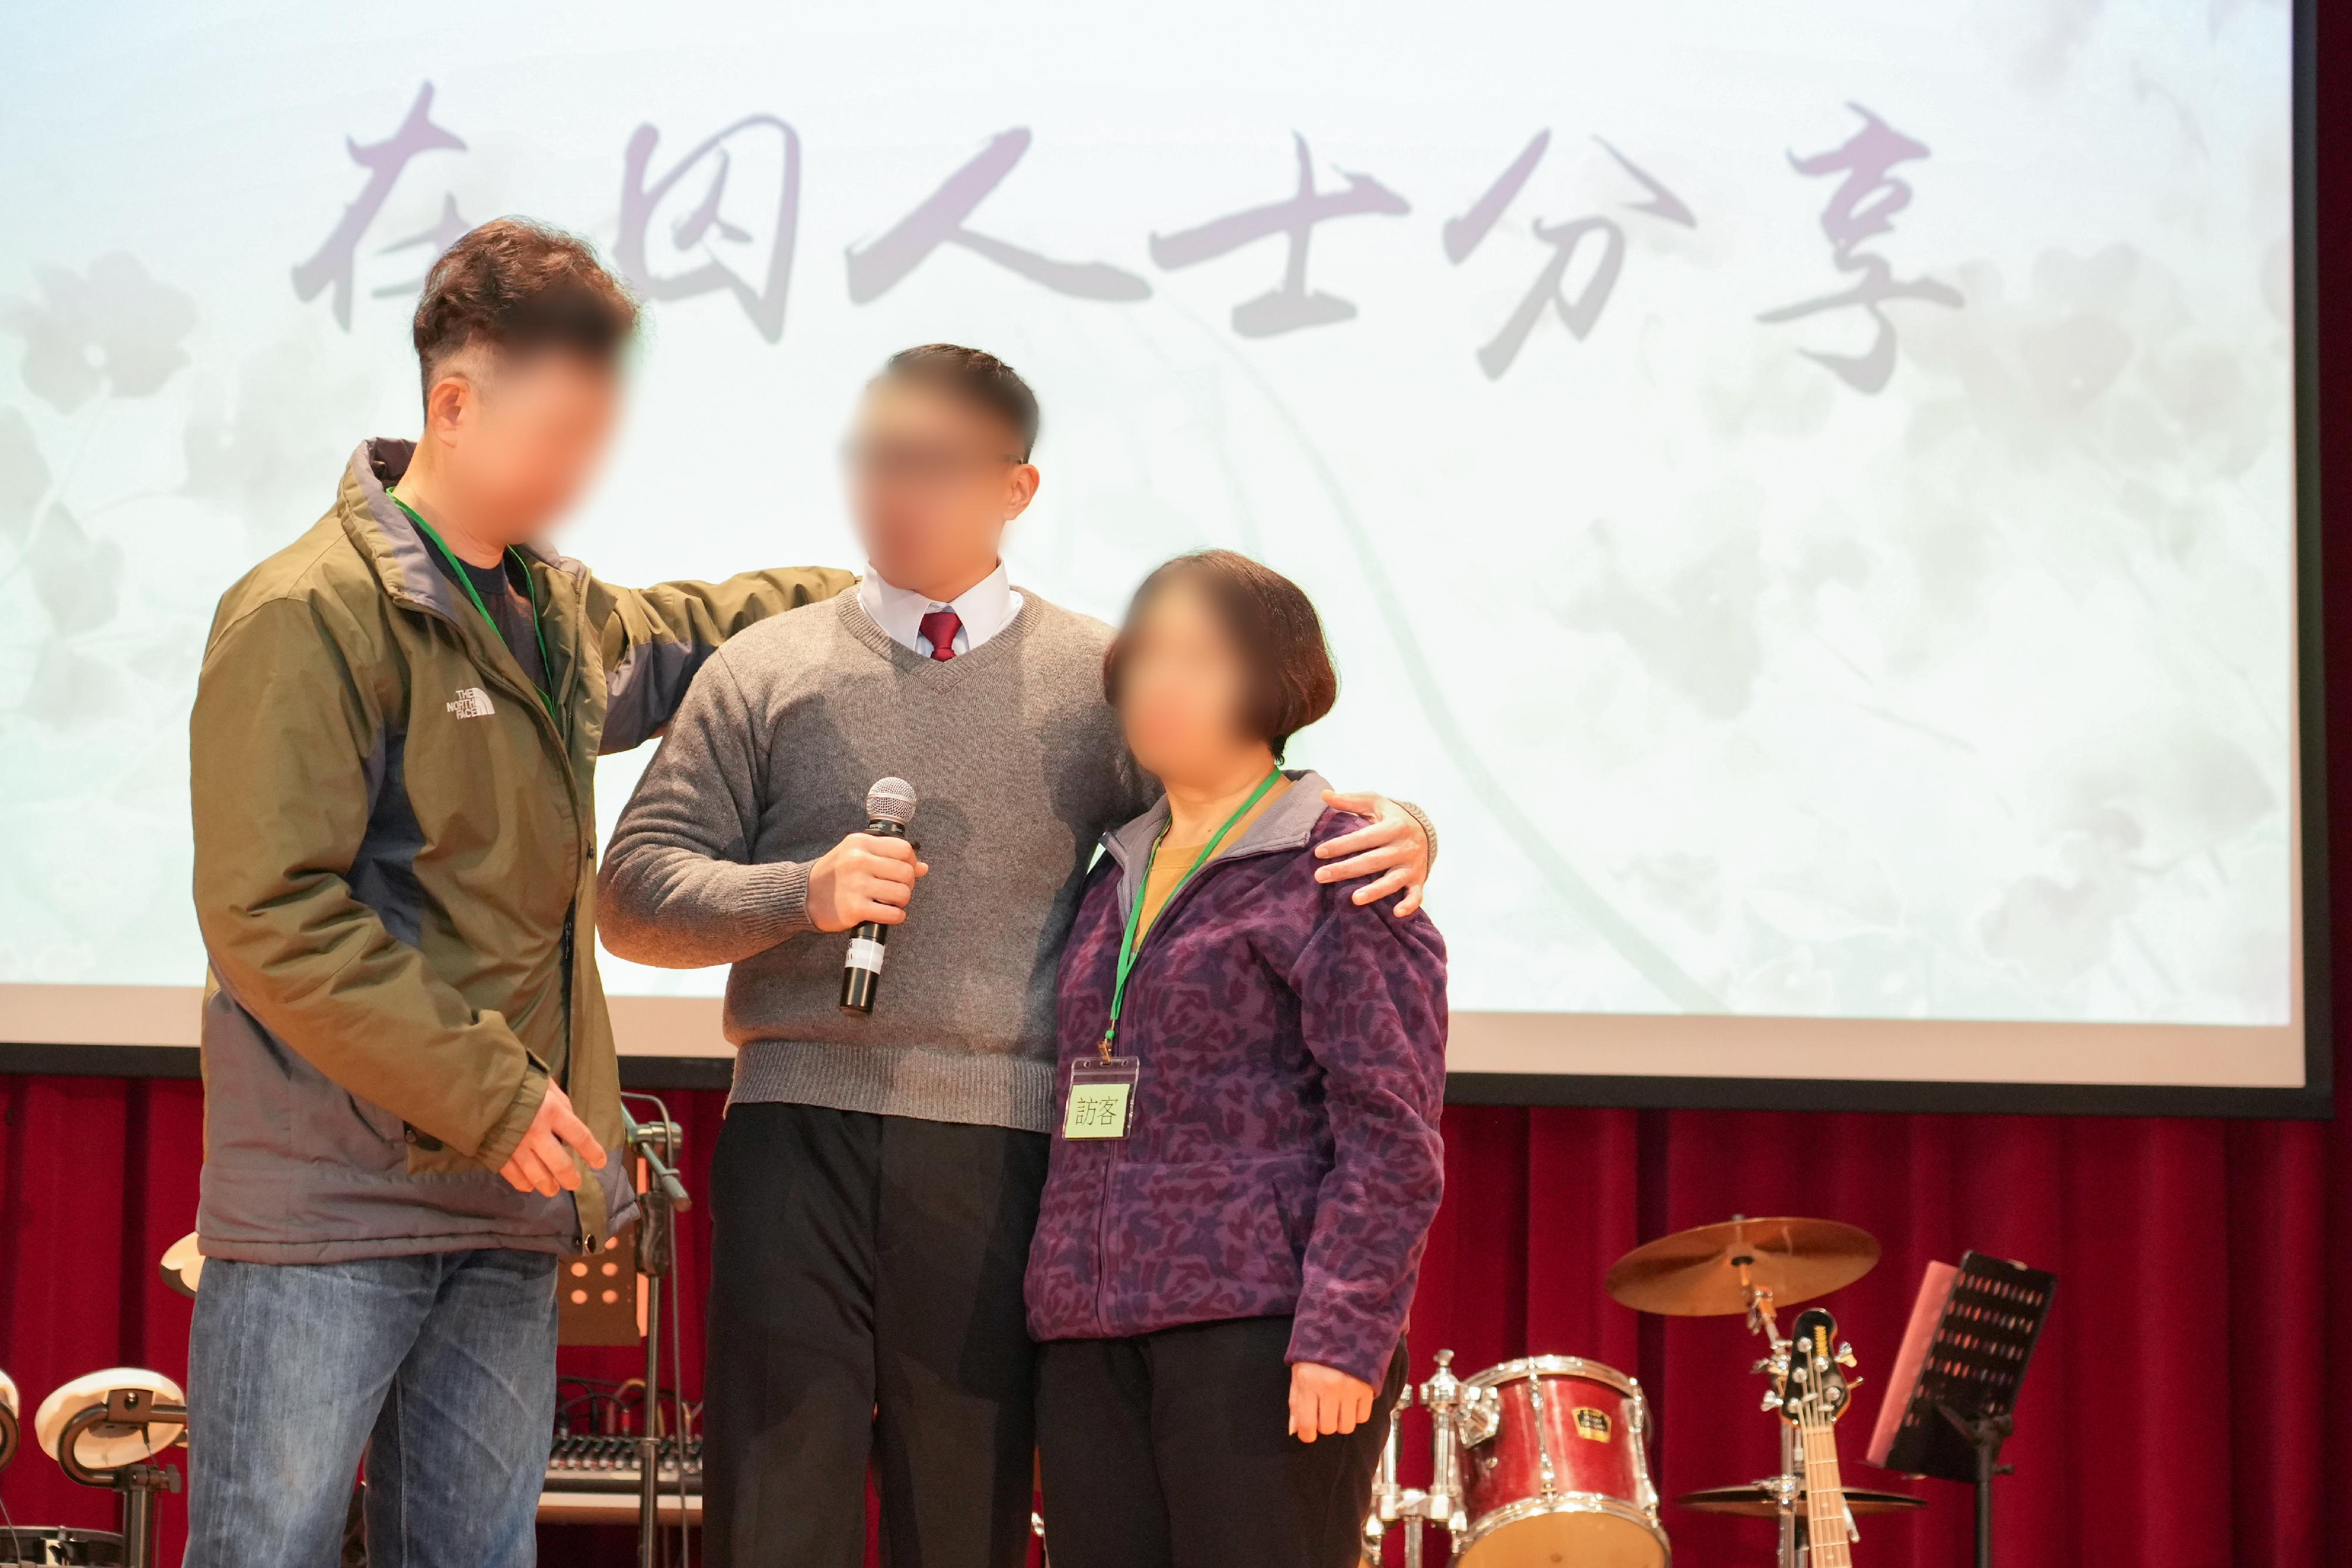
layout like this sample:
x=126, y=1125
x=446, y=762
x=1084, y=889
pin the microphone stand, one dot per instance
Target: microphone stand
x=659, y=1202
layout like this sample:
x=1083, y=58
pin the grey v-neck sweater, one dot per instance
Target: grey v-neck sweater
x=1019, y=768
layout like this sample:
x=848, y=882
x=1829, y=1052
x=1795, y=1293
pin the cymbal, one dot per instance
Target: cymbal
x=1757, y=1502
x=1706, y=1272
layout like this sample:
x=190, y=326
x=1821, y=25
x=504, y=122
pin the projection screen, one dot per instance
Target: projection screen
x=1805, y=496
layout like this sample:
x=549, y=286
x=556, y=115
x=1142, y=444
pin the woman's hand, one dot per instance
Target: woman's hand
x=1393, y=850
x=1323, y=1399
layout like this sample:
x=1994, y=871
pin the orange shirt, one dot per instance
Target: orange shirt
x=1169, y=866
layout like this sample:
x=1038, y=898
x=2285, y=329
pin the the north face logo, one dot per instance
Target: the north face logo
x=472, y=703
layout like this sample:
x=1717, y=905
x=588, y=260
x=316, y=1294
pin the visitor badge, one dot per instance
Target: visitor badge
x=1102, y=1093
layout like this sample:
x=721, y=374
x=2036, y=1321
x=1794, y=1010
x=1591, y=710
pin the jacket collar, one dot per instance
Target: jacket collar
x=1286, y=824
x=376, y=523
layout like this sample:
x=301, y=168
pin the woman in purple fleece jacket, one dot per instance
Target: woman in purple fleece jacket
x=1247, y=1160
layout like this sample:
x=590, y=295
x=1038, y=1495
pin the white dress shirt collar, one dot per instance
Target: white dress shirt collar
x=984, y=609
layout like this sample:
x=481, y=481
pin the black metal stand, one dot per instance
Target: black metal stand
x=1985, y=1435
x=658, y=1205
x=134, y=1484
x=1960, y=1407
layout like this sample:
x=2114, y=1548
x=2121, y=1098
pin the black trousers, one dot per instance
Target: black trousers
x=865, y=1303
x=1171, y=1450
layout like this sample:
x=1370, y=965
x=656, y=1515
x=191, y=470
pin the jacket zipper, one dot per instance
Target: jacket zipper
x=1110, y=1167
x=549, y=731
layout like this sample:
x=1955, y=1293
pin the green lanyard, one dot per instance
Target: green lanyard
x=1127, y=942
x=466, y=583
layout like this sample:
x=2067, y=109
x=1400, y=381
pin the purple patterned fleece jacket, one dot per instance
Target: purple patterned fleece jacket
x=1282, y=1152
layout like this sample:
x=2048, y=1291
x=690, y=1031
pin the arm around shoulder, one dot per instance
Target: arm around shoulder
x=654, y=640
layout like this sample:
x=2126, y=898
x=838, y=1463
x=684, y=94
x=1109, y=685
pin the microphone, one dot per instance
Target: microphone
x=889, y=805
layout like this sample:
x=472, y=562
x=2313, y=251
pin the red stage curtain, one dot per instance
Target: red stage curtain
x=2175, y=1417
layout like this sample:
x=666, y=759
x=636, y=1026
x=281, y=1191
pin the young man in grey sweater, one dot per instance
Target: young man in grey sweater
x=878, y=1177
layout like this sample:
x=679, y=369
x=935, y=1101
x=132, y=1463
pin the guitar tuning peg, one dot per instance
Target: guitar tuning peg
x=1844, y=1353
x=1763, y=1364
x=1771, y=1401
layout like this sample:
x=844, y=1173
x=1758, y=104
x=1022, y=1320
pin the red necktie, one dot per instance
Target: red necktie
x=940, y=626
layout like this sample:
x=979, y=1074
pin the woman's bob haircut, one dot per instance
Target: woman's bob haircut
x=1272, y=623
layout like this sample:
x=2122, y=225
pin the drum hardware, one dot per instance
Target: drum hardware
x=1442, y=1397
x=1391, y=1499
x=1769, y=1497
x=54, y=1546
x=102, y=1428
x=1543, y=1440
x=1754, y=1268
x=10, y=1433
x=1537, y=1461
x=1412, y=1507
x=181, y=1266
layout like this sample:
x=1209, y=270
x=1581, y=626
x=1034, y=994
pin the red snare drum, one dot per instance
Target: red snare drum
x=1554, y=1471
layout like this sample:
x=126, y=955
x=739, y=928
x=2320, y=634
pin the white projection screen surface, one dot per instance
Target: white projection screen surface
x=1806, y=495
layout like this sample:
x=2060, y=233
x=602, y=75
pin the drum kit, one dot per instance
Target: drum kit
x=1544, y=1462
x=108, y=1429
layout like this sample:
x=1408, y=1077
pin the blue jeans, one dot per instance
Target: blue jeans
x=440, y=1367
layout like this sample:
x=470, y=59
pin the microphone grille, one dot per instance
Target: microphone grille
x=890, y=801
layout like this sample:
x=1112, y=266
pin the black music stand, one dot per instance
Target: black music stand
x=1961, y=1404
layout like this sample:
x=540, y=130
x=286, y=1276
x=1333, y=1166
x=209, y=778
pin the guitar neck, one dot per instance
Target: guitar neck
x=1824, y=1495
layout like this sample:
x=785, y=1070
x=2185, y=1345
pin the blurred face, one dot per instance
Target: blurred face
x=933, y=480
x=522, y=438
x=1182, y=689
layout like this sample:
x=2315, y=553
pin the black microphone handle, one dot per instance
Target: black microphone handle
x=860, y=981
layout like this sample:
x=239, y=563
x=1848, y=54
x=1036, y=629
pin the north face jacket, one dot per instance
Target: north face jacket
x=1282, y=1153
x=396, y=878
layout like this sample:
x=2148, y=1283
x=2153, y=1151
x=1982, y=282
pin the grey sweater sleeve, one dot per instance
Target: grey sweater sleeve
x=679, y=888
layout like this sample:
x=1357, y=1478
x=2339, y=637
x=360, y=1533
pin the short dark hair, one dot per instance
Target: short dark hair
x=516, y=285
x=976, y=376
x=1273, y=622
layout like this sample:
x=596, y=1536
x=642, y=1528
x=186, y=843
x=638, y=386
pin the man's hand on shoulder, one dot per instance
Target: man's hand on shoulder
x=864, y=877
x=539, y=1163
x=1392, y=850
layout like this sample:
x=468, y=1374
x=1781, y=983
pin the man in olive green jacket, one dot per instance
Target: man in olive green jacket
x=410, y=1089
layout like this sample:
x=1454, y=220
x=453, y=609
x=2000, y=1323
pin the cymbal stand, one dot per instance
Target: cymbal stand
x=1783, y=1487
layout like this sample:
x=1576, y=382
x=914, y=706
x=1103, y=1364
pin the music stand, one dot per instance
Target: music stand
x=1973, y=1333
